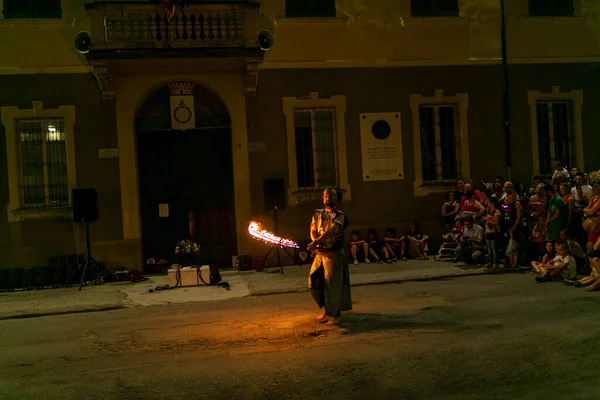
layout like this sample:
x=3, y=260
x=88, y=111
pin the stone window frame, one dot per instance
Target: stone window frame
x=461, y=101
x=338, y=103
x=9, y=117
x=576, y=99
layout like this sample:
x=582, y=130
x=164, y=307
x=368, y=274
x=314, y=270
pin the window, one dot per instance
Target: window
x=315, y=147
x=32, y=9
x=43, y=163
x=551, y=8
x=434, y=8
x=555, y=140
x=440, y=140
x=439, y=160
x=556, y=129
x=310, y=8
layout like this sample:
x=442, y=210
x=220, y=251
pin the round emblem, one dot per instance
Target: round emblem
x=182, y=114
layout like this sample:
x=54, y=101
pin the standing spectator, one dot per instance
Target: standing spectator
x=538, y=212
x=492, y=233
x=557, y=214
x=565, y=193
x=559, y=169
x=592, y=213
x=586, y=189
x=450, y=210
x=510, y=222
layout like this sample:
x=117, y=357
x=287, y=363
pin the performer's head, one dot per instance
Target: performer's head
x=330, y=197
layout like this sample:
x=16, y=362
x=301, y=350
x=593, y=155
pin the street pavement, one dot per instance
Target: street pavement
x=474, y=337
x=21, y=304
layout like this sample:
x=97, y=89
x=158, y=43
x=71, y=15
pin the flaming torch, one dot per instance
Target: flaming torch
x=258, y=233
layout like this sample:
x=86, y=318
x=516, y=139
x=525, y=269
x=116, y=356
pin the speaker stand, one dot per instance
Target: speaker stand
x=88, y=261
x=278, y=261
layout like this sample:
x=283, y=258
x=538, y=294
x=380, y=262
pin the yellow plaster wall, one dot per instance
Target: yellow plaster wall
x=365, y=33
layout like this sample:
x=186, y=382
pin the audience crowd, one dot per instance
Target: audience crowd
x=552, y=226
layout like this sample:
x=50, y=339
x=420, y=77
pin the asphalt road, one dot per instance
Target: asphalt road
x=481, y=337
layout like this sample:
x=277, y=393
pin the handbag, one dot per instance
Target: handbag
x=591, y=224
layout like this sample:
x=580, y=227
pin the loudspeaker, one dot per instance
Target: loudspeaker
x=274, y=192
x=85, y=205
x=82, y=42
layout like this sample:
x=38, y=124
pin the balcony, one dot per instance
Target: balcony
x=128, y=29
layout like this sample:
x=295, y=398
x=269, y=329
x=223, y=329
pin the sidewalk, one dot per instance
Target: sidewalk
x=117, y=295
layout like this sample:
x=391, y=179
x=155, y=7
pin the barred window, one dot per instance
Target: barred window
x=32, y=9
x=316, y=149
x=556, y=141
x=43, y=163
x=440, y=159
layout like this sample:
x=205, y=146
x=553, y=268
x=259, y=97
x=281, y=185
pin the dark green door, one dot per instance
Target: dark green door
x=190, y=173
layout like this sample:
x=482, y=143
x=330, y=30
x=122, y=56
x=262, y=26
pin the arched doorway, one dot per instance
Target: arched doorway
x=186, y=178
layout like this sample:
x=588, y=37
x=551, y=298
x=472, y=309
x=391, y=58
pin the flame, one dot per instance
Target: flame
x=257, y=232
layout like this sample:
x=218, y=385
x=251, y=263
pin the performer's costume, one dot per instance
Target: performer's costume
x=329, y=277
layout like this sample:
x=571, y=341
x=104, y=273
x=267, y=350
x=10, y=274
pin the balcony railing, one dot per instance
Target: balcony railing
x=134, y=25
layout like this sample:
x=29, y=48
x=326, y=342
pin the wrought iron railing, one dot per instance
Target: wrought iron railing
x=122, y=25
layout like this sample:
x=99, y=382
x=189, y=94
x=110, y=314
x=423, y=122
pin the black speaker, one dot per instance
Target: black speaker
x=274, y=192
x=85, y=205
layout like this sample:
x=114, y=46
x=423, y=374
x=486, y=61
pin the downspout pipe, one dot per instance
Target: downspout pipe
x=505, y=97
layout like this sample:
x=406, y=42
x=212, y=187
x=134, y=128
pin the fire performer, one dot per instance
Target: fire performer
x=329, y=277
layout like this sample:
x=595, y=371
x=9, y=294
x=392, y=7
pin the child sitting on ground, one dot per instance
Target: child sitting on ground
x=593, y=281
x=563, y=266
x=394, y=245
x=549, y=254
x=456, y=232
x=376, y=249
x=575, y=250
x=359, y=248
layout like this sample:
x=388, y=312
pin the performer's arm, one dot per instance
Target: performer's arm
x=314, y=234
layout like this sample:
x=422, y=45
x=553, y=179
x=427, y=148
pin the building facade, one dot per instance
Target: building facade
x=389, y=104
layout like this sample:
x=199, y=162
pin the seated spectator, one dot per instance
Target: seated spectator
x=593, y=281
x=450, y=210
x=563, y=266
x=456, y=232
x=394, y=245
x=416, y=243
x=473, y=239
x=549, y=255
x=359, y=248
x=377, y=250
x=575, y=248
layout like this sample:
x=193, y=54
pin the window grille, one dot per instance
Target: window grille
x=43, y=163
x=434, y=8
x=555, y=135
x=32, y=9
x=316, y=147
x=440, y=144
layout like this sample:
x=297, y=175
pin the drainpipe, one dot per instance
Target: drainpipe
x=505, y=97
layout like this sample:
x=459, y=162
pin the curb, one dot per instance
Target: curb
x=396, y=281
x=53, y=313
